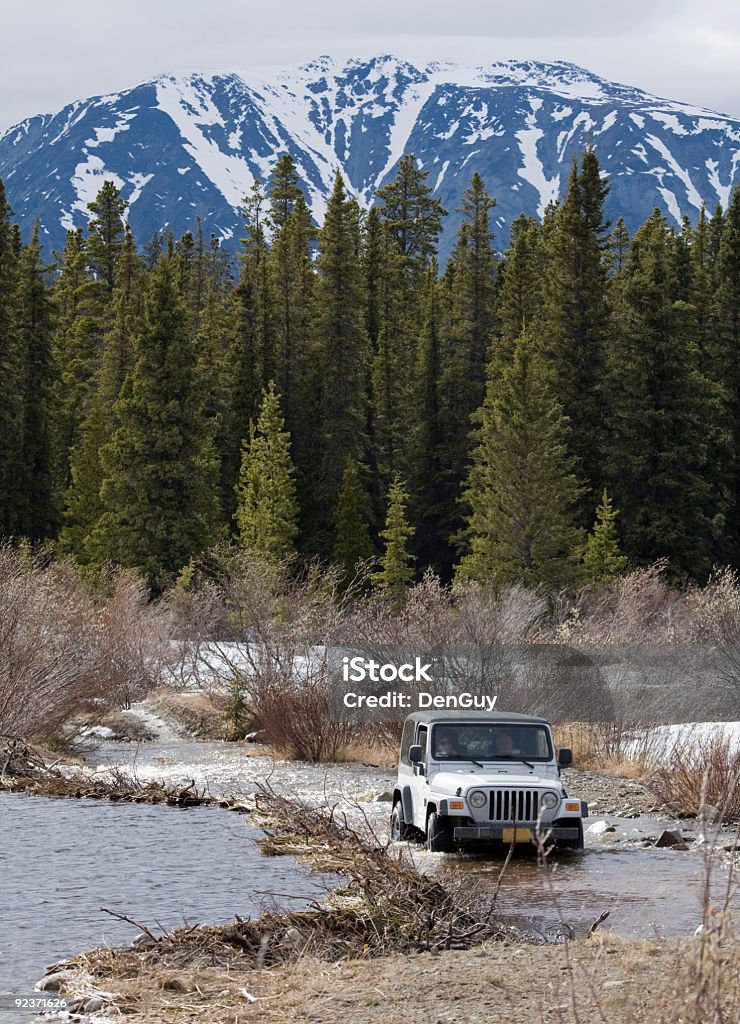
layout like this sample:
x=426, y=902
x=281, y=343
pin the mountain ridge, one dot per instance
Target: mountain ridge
x=187, y=145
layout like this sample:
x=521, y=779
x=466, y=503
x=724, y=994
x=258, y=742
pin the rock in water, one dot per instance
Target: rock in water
x=671, y=838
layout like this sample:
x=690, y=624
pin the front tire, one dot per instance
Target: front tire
x=400, y=831
x=439, y=836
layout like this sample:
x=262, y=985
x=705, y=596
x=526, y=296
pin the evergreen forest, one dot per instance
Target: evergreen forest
x=552, y=414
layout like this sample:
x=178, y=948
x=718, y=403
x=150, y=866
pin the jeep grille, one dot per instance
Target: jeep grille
x=520, y=805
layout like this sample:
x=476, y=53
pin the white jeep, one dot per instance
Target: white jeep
x=476, y=778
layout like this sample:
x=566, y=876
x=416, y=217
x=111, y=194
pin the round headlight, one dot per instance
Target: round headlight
x=478, y=798
x=550, y=800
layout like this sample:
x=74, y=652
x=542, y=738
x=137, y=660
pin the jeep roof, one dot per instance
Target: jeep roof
x=439, y=715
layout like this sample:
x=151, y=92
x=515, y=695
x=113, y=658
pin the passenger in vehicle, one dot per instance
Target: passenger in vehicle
x=503, y=744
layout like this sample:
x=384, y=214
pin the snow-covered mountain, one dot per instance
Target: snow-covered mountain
x=182, y=146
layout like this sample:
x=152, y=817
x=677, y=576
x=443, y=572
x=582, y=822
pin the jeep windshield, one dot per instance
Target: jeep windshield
x=498, y=741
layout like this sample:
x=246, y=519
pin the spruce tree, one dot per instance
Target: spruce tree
x=601, y=556
x=522, y=490
x=283, y=190
x=292, y=287
x=336, y=404
x=701, y=293
x=11, y=377
x=726, y=333
x=396, y=570
x=84, y=504
x=413, y=215
x=574, y=314
x=518, y=289
x=353, y=544
x=214, y=370
x=160, y=471
x=411, y=222
x=466, y=329
x=39, y=512
x=618, y=248
x=253, y=355
x=433, y=489
x=81, y=303
x=660, y=412
x=267, y=510
x=106, y=231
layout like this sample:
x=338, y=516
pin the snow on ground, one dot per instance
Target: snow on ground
x=217, y=664
x=153, y=723
x=661, y=740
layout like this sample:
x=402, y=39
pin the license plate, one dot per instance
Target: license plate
x=516, y=835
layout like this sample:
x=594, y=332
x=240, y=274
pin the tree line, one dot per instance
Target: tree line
x=549, y=415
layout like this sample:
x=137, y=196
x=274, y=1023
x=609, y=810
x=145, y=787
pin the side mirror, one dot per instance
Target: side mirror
x=565, y=757
x=415, y=753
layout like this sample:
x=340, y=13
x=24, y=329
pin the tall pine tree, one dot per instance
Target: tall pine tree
x=396, y=571
x=522, y=489
x=353, y=544
x=338, y=372
x=574, y=315
x=160, y=471
x=267, y=509
x=11, y=377
x=659, y=409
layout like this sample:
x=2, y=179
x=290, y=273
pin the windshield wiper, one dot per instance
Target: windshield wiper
x=512, y=757
x=460, y=757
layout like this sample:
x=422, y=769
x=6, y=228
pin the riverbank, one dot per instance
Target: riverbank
x=605, y=978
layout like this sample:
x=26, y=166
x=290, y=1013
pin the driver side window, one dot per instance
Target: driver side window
x=421, y=739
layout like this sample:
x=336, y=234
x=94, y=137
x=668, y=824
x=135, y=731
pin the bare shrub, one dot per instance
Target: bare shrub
x=135, y=637
x=618, y=748
x=716, y=609
x=507, y=615
x=700, y=770
x=67, y=649
x=295, y=721
x=259, y=638
x=50, y=658
x=639, y=608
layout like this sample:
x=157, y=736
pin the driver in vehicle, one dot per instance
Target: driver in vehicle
x=445, y=746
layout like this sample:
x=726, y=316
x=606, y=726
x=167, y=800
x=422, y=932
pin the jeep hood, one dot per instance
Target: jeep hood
x=450, y=782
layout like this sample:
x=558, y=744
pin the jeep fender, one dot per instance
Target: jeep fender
x=407, y=803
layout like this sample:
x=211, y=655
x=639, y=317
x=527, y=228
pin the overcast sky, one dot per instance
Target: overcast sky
x=54, y=52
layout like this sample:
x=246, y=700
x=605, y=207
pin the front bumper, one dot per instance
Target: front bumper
x=496, y=833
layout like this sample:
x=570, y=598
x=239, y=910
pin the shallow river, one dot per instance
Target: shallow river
x=646, y=891
x=61, y=860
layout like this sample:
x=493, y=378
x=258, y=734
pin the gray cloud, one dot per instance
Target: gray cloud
x=60, y=52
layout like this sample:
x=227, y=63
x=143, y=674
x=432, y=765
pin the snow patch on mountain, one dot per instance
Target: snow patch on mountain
x=532, y=169
x=88, y=180
x=193, y=112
